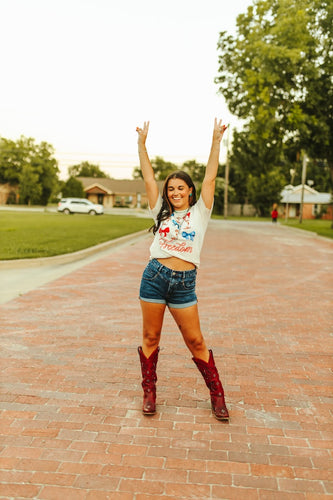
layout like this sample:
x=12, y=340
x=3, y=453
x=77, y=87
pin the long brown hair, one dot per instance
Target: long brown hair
x=167, y=208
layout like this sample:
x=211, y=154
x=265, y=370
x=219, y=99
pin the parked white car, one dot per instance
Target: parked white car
x=79, y=206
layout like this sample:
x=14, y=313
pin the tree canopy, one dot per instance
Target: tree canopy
x=161, y=169
x=73, y=187
x=276, y=74
x=31, y=166
x=86, y=169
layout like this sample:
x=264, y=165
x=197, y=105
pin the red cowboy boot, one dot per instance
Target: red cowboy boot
x=149, y=378
x=211, y=377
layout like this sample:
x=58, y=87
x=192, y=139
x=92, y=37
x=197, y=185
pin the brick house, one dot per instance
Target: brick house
x=115, y=192
x=314, y=203
x=8, y=194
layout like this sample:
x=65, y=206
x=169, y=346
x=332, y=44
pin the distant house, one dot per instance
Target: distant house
x=116, y=193
x=8, y=194
x=315, y=204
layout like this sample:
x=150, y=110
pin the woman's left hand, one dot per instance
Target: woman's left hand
x=219, y=130
x=142, y=133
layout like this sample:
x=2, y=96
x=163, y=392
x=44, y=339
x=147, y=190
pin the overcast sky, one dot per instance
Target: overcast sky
x=82, y=74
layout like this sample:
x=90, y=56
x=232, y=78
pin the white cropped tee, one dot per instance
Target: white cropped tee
x=181, y=235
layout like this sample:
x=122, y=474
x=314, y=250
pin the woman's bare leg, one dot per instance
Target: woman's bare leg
x=152, y=320
x=188, y=323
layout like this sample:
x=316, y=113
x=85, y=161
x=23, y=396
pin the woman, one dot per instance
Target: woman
x=169, y=278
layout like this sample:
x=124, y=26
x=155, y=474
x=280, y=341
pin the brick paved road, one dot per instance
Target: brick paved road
x=70, y=395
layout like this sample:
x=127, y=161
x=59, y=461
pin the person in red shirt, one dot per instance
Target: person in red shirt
x=274, y=214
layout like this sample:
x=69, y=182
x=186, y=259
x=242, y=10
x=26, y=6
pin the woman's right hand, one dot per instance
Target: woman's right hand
x=142, y=133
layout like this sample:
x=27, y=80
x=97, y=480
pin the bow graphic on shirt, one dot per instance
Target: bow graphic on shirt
x=188, y=236
x=165, y=231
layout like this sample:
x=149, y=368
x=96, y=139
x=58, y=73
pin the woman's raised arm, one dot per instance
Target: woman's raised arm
x=208, y=184
x=146, y=167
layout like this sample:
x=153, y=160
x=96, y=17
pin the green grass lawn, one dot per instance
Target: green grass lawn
x=25, y=235
x=321, y=227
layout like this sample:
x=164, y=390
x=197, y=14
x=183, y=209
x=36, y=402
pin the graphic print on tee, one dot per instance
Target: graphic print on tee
x=176, y=235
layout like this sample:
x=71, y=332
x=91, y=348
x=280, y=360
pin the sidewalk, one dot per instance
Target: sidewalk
x=71, y=421
x=18, y=277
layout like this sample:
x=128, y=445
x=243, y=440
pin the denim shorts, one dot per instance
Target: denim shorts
x=162, y=285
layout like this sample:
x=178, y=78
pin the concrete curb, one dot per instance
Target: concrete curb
x=71, y=257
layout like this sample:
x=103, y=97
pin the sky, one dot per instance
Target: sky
x=82, y=74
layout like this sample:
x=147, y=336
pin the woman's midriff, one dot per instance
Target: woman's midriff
x=176, y=264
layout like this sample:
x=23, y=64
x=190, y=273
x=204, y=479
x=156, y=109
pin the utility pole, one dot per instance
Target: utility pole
x=303, y=186
x=292, y=172
x=226, y=179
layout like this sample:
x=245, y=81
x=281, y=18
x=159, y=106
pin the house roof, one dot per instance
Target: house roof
x=5, y=188
x=112, y=186
x=293, y=194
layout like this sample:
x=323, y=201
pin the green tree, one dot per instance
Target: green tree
x=318, y=173
x=195, y=170
x=73, y=188
x=161, y=169
x=253, y=156
x=30, y=190
x=86, y=169
x=219, y=195
x=24, y=159
x=45, y=166
x=12, y=159
x=264, y=190
x=276, y=74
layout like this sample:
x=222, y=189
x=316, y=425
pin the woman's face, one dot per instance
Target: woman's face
x=178, y=193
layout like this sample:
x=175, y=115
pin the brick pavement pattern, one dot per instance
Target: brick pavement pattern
x=71, y=422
